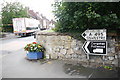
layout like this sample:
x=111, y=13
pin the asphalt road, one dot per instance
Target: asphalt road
x=11, y=44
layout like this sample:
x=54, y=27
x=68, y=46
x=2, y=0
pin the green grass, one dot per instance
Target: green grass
x=108, y=67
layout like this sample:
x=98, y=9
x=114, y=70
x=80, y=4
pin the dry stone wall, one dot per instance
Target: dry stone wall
x=63, y=46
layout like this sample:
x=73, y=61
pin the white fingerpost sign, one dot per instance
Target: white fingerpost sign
x=94, y=34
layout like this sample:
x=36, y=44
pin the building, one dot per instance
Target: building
x=44, y=22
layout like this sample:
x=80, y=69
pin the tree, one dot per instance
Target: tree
x=0, y=25
x=78, y=16
x=0, y=22
x=12, y=10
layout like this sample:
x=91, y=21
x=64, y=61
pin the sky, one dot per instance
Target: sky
x=41, y=6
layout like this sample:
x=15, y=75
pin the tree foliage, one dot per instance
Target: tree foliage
x=76, y=16
x=0, y=22
x=12, y=10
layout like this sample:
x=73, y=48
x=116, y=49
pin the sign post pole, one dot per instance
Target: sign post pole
x=103, y=59
x=88, y=56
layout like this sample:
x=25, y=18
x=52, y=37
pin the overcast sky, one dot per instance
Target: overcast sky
x=41, y=6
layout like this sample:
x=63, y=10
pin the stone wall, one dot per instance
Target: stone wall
x=63, y=46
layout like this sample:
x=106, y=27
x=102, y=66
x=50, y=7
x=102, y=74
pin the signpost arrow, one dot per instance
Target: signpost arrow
x=95, y=47
x=96, y=34
x=85, y=45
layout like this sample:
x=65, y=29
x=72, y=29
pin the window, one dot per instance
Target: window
x=31, y=28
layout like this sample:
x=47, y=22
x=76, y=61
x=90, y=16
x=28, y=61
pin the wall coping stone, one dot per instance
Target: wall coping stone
x=64, y=34
x=51, y=33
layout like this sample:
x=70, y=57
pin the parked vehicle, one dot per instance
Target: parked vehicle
x=25, y=26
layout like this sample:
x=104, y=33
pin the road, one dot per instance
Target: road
x=12, y=46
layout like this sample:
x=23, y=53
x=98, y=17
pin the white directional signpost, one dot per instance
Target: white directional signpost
x=97, y=34
x=96, y=43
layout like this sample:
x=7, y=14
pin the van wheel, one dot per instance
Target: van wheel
x=34, y=35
